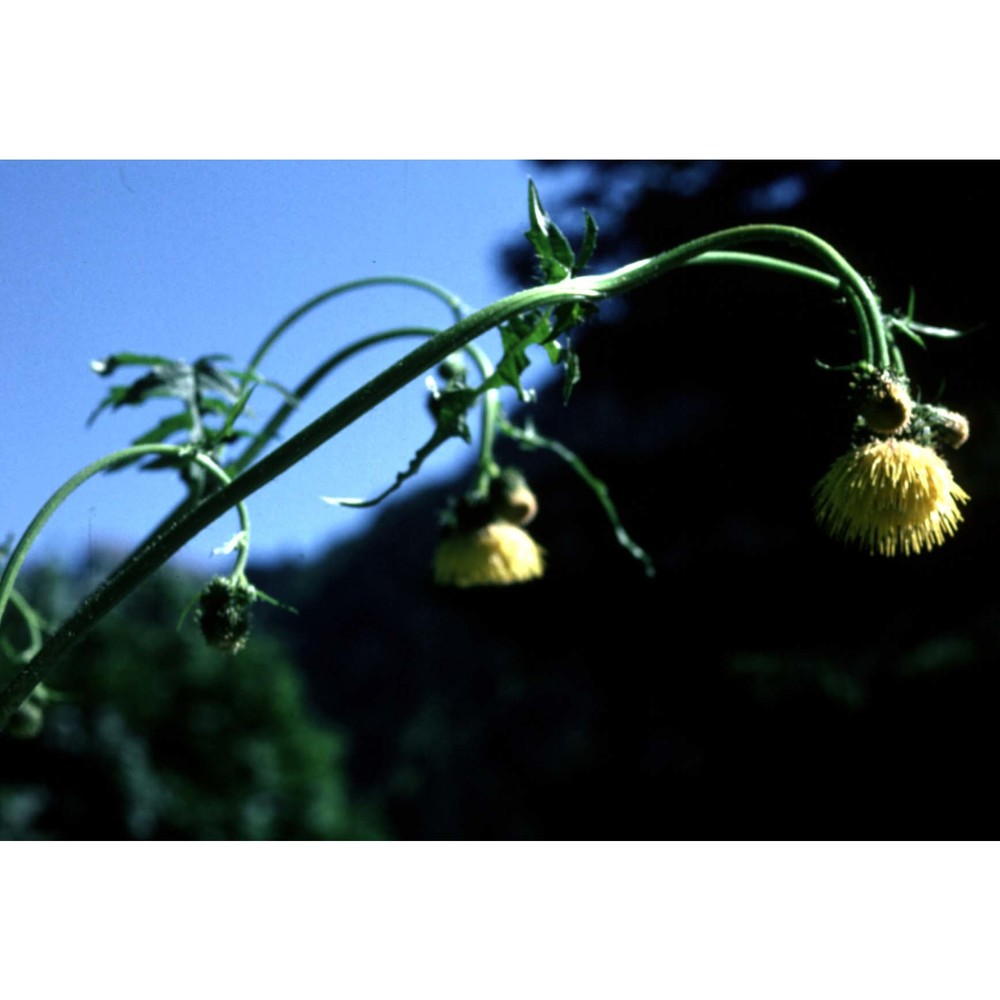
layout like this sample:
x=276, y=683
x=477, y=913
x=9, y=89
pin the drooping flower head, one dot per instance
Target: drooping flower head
x=484, y=543
x=890, y=495
x=498, y=553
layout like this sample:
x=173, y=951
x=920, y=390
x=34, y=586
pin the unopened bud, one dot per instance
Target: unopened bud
x=885, y=403
x=224, y=613
x=512, y=499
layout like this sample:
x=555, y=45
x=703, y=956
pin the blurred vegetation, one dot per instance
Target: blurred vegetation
x=155, y=736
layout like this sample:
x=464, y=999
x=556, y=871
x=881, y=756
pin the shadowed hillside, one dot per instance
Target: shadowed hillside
x=769, y=681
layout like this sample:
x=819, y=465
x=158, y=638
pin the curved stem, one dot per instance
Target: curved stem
x=800, y=271
x=531, y=439
x=766, y=263
x=309, y=383
x=39, y=521
x=182, y=528
x=491, y=415
x=490, y=404
x=860, y=295
x=455, y=304
x=32, y=623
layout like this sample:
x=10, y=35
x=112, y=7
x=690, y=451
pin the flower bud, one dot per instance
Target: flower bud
x=885, y=402
x=511, y=499
x=224, y=613
x=452, y=368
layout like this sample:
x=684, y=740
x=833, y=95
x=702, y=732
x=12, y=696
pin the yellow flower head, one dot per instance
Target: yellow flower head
x=890, y=496
x=498, y=553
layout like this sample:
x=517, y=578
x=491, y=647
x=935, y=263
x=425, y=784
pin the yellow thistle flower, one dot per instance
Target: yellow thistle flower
x=890, y=496
x=498, y=553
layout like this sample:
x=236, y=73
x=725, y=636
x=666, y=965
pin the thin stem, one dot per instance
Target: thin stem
x=767, y=263
x=20, y=552
x=306, y=386
x=797, y=270
x=491, y=414
x=489, y=407
x=455, y=304
x=531, y=439
x=33, y=623
x=861, y=298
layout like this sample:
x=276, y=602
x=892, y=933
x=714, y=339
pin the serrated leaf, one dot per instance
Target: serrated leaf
x=438, y=438
x=555, y=255
x=449, y=406
x=568, y=315
x=517, y=335
x=529, y=438
x=554, y=350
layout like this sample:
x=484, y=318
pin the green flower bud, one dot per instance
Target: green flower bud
x=224, y=613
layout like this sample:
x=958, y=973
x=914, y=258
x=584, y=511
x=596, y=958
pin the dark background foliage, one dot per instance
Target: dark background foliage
x=769, y=682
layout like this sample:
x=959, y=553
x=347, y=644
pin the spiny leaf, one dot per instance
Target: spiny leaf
x=555, y=255
x=528, y=438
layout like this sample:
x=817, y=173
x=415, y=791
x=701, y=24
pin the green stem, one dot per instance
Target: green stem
x=798, y=270
x=20, y=552
x=766, y=263
x=182, y=528
x=489, y=408
x=860, y=295
x=531, y=439
x=488, y=468
x=455, y=304
x=309, y=383
x=33, y=624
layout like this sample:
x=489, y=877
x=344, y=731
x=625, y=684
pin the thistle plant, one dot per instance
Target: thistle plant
x=891, y=493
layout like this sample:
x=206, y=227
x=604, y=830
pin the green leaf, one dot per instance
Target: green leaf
x=555, y=256
x=517, y=335
x=449, y=406
x=289, y=397
x=586, y=250
x=166, y=427
x=211, y=379
x=568, y=315
x=528, y=438
x=173, y=380
x=115, y=361
x=571, y=370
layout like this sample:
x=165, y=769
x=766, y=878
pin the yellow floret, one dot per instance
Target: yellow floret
x=890, y=496
x=498, y=553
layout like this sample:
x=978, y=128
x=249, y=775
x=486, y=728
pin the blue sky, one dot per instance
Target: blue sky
x=189, y=258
